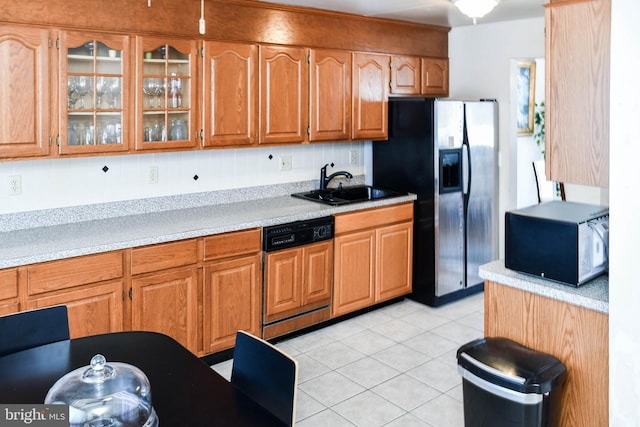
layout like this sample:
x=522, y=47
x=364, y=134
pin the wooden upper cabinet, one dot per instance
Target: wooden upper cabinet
x=412, y=75
x=370, y=96
x=166, y=93
x=94, y=89
x=25, y=96
x=284, y=94
x=330, y=95
x=578, y=41
x=230, y=94
x=435, y=77
x=405, y=75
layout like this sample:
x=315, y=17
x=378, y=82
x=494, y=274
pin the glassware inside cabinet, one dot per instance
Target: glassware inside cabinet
x=155, y=129
x=108, y=129
x=153, y=89
x=80, y=130
x=95, y=82
x=166, y=85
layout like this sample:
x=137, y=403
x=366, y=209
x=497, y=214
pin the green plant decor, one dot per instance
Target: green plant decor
x=538, y=126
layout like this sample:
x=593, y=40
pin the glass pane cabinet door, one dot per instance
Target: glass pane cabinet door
x=93, y=93
x=165, y=94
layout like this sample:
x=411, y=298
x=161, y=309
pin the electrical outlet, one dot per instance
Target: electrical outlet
x=285, y=163
x=353, y=157
x=15, y=185
x=153, y=174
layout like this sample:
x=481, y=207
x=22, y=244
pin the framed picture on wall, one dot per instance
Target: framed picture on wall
x=526, y=76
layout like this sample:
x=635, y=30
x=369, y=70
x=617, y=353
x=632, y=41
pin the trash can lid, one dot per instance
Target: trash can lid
x=508, y=364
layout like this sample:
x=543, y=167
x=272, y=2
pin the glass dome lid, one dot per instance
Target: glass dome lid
x=105, y=395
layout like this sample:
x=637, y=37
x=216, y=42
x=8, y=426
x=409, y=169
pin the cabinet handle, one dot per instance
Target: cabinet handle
x=131, y=293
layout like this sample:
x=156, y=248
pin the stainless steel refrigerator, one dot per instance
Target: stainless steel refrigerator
x=446, y=152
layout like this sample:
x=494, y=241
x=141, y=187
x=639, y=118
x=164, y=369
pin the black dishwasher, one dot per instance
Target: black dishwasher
x=298, y=275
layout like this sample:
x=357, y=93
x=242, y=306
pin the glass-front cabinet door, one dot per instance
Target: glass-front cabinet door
x=94, y=93
x=165, y=93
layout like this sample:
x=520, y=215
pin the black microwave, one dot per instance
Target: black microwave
x=562, y=241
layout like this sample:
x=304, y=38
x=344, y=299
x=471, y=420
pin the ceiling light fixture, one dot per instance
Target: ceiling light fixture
x=475, y=9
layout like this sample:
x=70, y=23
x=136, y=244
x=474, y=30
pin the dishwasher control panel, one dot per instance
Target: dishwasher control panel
x=297, y=233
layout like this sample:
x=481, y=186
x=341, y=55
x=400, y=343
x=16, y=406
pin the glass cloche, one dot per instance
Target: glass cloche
x=105, y=395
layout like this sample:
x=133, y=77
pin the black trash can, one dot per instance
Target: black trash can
x=505, y=384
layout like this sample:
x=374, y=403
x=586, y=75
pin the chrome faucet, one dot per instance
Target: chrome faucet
x=324, y=179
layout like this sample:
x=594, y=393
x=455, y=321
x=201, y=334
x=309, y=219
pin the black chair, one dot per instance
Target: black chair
x=32, y=328
x=546, y=189
x=266, y=374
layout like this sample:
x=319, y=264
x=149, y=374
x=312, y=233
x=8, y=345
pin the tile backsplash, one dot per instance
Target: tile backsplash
x=64, y=182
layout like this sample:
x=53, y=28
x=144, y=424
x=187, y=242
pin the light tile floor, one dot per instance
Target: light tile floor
x=395, y=366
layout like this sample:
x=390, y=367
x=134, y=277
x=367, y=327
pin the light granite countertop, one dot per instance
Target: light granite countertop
x=593, y=295
x=28, y=238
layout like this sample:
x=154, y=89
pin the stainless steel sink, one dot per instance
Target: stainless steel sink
x=346, y=195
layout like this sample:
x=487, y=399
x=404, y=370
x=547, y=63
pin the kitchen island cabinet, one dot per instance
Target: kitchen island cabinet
x=372, y=257
x=570, y=324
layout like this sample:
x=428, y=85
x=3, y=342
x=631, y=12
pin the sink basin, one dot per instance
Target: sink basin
x=346, y=195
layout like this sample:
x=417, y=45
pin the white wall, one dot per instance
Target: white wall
x=624, y=274
x=481, y=60
x=527, y=151
x=79, y=181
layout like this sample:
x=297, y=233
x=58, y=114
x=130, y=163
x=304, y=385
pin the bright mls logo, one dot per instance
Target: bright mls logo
x=34, y=415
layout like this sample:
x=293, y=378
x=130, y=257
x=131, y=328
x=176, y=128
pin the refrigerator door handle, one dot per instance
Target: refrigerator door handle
x=466, y=186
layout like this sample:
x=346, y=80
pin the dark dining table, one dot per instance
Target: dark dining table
x=185, y=391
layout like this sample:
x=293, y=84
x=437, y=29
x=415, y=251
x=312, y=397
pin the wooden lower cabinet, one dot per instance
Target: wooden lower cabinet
x=394, y=260
x=231, y=301
x=90, y=286
x=578, y=337
x=9, y=291
x=354, y=272
x=372, y=257
x=92, y=310
x=166, y=302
